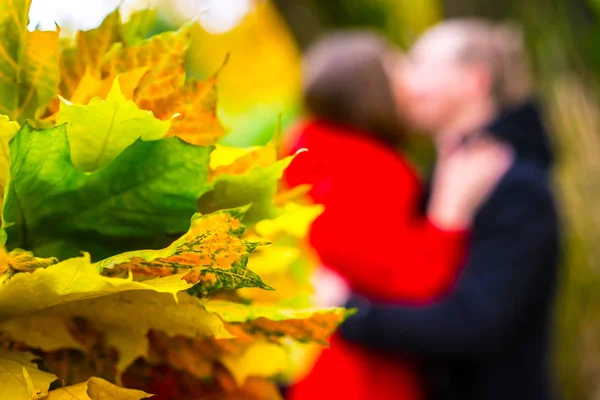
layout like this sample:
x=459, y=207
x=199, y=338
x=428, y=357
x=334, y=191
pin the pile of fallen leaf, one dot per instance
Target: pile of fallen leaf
x=139, y=256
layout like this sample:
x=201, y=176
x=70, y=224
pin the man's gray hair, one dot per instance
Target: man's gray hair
x=501, y=48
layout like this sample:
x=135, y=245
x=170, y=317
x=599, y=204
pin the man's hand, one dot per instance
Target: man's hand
x=464, y=180
x=331, y=290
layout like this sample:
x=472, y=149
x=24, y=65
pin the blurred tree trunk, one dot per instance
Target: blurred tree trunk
x=303, y=20
x=477, y=8
x=401, y=20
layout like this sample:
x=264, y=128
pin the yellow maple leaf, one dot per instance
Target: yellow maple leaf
x=29, y=75
x=223, y=156
x=196, y=356
x=274, y=361
x=91, y=86
x=88, y=55
x=8, y=129
x=42, y=332
x=124, y=319
x=96, y=389
x=295, y=220
x=41, y=72
x=255, y=157
x=163, y=55
x=197, y=122
x=70, y=280
x=20, y=378
x=272, y=322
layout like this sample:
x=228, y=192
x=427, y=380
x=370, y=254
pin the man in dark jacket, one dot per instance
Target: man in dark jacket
x=489, y=337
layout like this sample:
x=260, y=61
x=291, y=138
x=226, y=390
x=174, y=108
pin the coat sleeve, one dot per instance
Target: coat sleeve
x=373, y=235
x=505, y=273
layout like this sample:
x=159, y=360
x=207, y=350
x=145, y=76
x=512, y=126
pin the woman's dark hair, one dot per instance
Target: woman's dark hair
x=345, y=82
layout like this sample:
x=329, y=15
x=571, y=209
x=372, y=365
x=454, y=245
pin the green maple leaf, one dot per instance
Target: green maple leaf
x=140, y=26
x=257, y=186
x=8, y=130
x=101, y=130
x=29, y=73
x=55, y=210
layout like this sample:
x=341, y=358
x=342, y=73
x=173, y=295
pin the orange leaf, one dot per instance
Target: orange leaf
x=22, y=261
x=164, y=57
x=211, y=255
x=91, y=86
x=259, y=157
x=198, y=123
x=89, y=54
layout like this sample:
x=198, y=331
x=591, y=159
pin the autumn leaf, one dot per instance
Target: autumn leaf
x=293, y=289
x=147, y=324
x=239, y=355
x=311, y=324
x=274, y=361
x=263, y=156
x=163, y=55
x=224, y=156
x=258, y=79
x=22, y=261
x=173, y=384
x=256, y=186
x=96, y=389
x=212, y=255
x=90, y=86
x=273, y=259
x=99, y=131
x=248, y=176
x=258, y=388
x=181, y=353
x=8, y=129
x=298, y=194
x=162, y=88
x=195, y=356
x=295, y=220
x=53, y=209
x=139, y=26
x=286, y=264
x=88, y=54
x=125, y=319
x=29, y=74
x=40, y=332
x=118, y=180
x=280, y=266
x=70, y=280
x=197, y=104
x=20, y=378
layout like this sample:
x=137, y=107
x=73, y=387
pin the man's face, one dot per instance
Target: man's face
x=434, y=83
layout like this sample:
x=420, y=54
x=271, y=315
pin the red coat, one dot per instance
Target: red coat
x=373, y=235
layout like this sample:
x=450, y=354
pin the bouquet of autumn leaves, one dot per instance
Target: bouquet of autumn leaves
x=133, y=245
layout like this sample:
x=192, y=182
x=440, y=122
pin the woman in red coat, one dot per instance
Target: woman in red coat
x=372, y=232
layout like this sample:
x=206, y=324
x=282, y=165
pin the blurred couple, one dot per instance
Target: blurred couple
x=454, y=282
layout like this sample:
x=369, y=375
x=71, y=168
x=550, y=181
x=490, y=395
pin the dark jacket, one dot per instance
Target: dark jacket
x=490, y=338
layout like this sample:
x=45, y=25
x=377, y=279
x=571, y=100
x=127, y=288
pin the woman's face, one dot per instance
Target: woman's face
x=394, y=65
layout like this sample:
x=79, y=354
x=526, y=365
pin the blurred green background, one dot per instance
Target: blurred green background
x=261, y=82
